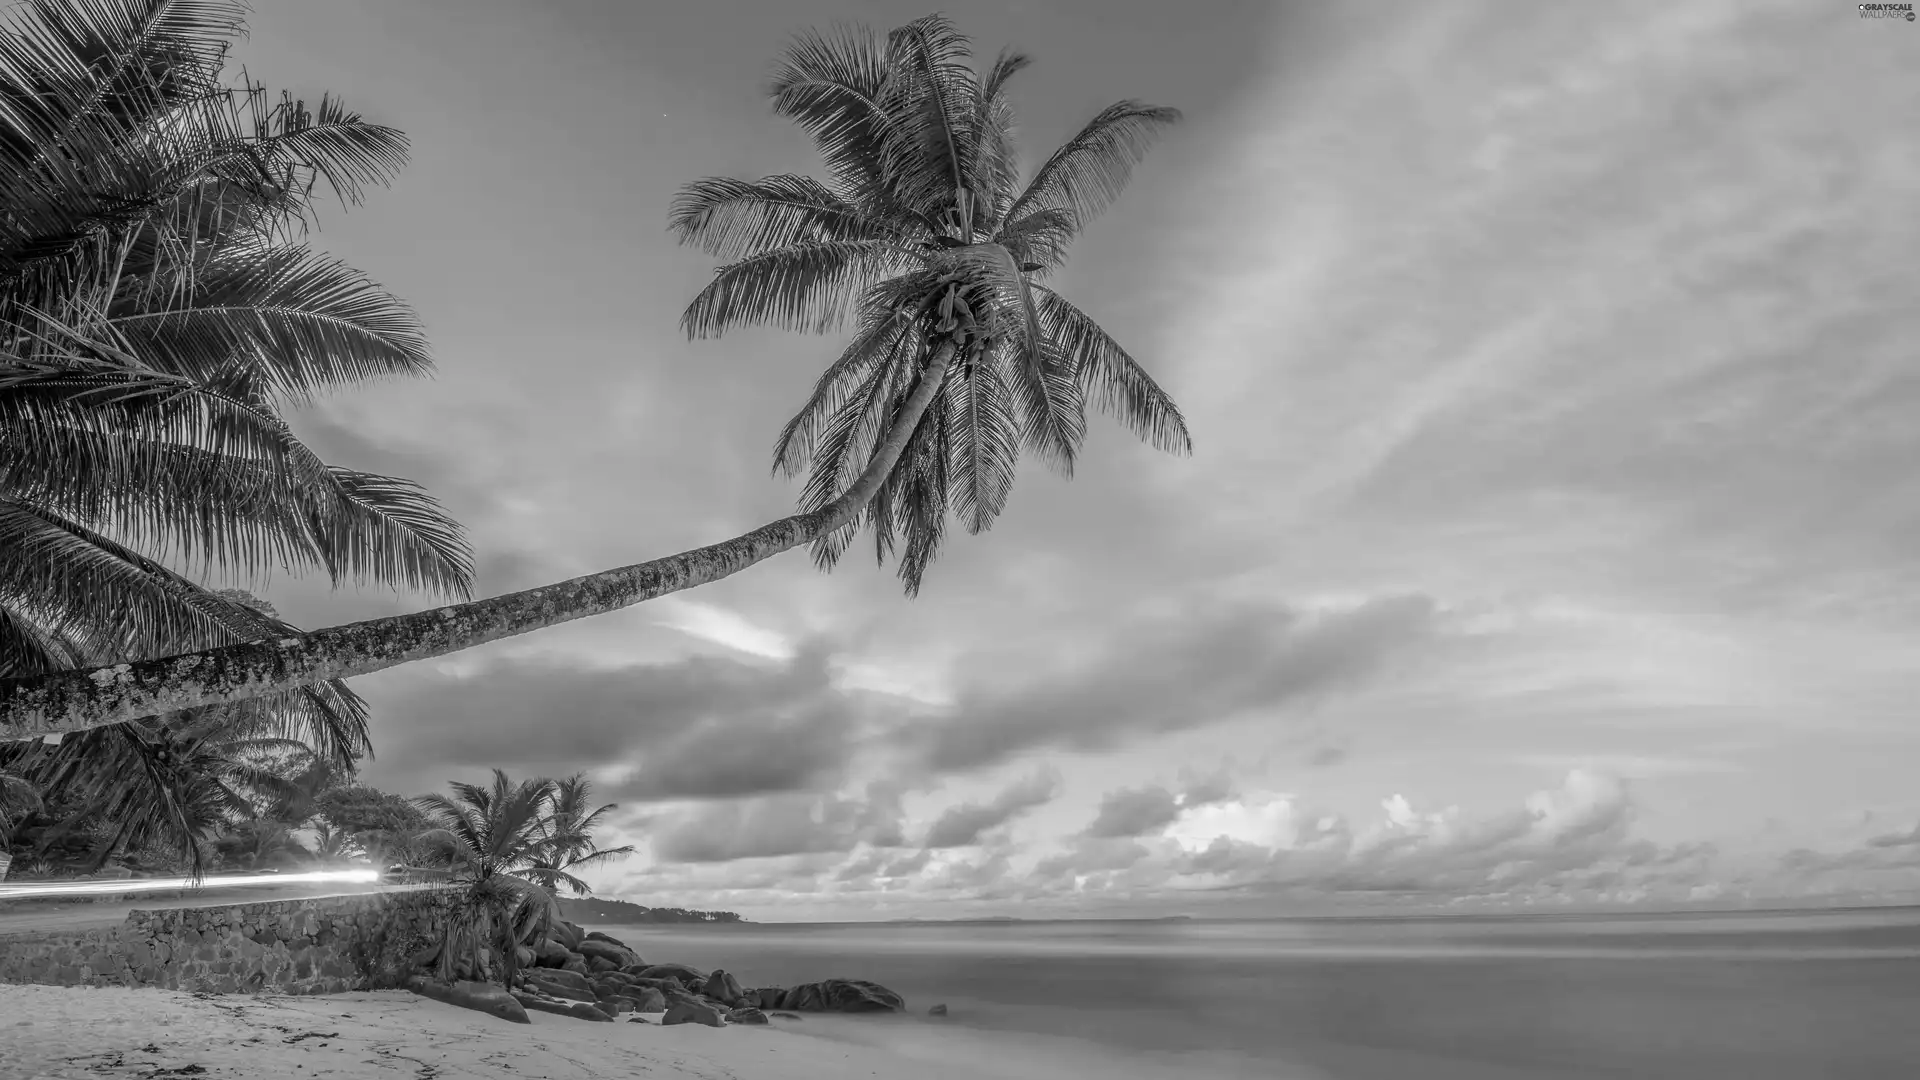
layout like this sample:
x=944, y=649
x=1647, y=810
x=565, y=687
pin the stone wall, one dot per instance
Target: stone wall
x=320, y=946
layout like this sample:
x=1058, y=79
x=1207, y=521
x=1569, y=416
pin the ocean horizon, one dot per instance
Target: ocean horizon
x=1755, y=994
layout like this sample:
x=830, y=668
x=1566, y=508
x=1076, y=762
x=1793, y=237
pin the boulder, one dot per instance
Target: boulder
x=662, y=985
x=579, y=1010
x=689, y=975
x=787, y=1016
x=618, y=1006
x=548, y=953
x=562, y=977
x=523, y=956
x=574, y=962
x=618, y=955
x=638, y=1020
x=595, y=935
x=600, y=965
x=937, y=1010
x=560, y=990
x=842, y=995
x=568, y=934
x=723, y=987
x=693, y=1012
x=646, y=999
x=767, y=997
x=480, y=997
x=746, y=1015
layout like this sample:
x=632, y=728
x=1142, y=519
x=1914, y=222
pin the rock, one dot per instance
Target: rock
x=767, y=997
x=614, y=956
x=722, y=987
x=693, y=1012
x=595, y=935
x=842, y=995
x=746, y=1015
x=579, y=1010
x=638, y=1020
x=789, y=1016
x=618, y=1006
x=646, y=999
x=523, y=956
x=480, y=997
x=937, y=1010
x=561, y=977
x=568, y=934
x=690, y=976
x=560, y=990
x=661, y=985
x=549, y=953
x=425, y=957
x=600, y=965
x=574, y=962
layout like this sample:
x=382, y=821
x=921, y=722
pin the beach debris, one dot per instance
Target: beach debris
x=579, y=1010
x=693, y=1012
x=746, y=1014
x=842, y=995
x=938, y=1010
x=478, y=996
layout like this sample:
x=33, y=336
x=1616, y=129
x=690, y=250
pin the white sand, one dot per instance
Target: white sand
x=48, y=1032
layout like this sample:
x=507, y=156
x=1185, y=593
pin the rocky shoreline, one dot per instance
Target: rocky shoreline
x=593, y=976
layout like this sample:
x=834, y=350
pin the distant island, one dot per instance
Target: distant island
x=592, y=910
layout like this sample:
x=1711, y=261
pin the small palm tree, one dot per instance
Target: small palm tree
x=568, y=835
x=493, y=839
x=930, y=239
x=17, y=799
x=174, y=782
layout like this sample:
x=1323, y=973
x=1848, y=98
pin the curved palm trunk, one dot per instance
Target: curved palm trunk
x=78, y=700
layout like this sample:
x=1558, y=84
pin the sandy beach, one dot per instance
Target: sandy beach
x=61, y=1032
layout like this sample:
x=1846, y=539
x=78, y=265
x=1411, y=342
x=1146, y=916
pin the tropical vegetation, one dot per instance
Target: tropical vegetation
x=509, y=846
x=161, y=310
x=928, y=239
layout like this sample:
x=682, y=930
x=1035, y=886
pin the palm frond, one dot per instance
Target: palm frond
x=1090, y=170
x=302, y=320
x=806, y=286
x=732, y=219
x=1119, y=386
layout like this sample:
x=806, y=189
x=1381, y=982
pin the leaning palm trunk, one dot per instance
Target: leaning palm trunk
x=72, y=701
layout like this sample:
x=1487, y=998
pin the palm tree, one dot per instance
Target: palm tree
x=174, y=782
x=157, y=313
x=923, y=236
x=568, y=835
x=17, y=799
x=494, y=839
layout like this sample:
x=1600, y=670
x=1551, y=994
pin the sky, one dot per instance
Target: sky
x=1548, y=537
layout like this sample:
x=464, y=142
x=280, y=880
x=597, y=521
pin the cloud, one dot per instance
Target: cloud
x=1174, y=674
x=697, y=727
x=962, y=825
x=1137, y=811
x=781, y=825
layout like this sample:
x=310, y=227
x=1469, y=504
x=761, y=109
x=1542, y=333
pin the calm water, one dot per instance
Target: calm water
x=1755, y=996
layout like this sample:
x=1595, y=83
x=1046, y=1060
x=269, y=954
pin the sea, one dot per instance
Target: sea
x=1687, y=996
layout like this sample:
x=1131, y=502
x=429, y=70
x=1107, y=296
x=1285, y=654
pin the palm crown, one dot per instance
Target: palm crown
x=158, y=311
x=925, y=239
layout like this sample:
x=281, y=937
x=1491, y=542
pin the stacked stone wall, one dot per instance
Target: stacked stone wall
x=320, y=946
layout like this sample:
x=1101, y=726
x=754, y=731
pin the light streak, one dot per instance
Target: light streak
x=138, y=885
